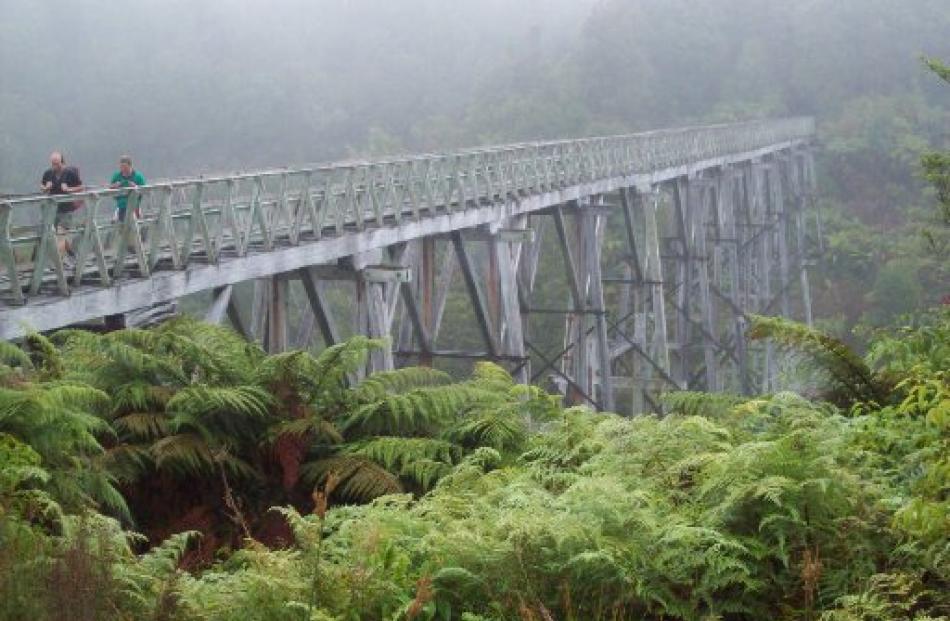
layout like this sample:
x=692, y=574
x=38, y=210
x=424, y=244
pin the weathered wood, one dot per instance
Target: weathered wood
x=567, y=255
x=275, y=340
x=7, y=257
x=475, y=293
x=416, y=319
x=321, y=309
x=593, y=230
x=705, y=302
x=270, y=224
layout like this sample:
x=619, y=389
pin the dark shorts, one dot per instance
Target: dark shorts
x=66, y=219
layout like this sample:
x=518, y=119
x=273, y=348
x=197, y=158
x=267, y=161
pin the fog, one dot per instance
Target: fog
x=195, y=87
x=198, y=86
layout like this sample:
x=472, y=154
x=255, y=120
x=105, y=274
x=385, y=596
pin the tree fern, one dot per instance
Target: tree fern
x=850, y=377
x=378, y=386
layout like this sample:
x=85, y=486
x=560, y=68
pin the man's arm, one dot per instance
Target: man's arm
x=46, y=184
x=73, y=184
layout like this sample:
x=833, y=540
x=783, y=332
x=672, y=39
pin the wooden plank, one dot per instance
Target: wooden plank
x=275, y=340
x=594, y=234
x=475, y=293
x=654, y=273
x=629, y=229
x=705, y=302
x=321, y=309
x=415, y=318
x=570, y=268
x=47, y=241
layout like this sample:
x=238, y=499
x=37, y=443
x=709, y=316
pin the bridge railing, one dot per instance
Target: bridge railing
x=178, y=223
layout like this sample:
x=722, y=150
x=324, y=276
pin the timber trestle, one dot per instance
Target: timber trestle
x=664, y=241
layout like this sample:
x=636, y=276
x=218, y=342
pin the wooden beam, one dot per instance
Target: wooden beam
x=569, y=266
x=475, y=293
x=321, y=309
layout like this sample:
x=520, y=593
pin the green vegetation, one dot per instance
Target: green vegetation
x=182, y=474
x=271, y=489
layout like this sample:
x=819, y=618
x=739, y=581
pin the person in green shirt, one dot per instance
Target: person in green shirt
x=125, y=177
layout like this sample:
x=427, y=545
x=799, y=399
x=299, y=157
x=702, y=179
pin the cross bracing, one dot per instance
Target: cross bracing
x=712, y=222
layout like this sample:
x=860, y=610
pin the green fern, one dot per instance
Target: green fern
x=851, y=379
x=360, y=479
x=687, y=403
x=378, y=386
x=13, y=356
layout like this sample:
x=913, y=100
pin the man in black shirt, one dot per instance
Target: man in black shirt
x=61, y=179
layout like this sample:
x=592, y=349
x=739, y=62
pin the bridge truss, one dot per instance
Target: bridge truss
x=667, y=241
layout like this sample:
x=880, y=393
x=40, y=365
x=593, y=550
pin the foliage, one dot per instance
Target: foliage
x=937, y=165
x=729, y=507
x=850, y=379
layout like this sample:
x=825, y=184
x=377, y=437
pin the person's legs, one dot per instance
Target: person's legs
x=64, y=226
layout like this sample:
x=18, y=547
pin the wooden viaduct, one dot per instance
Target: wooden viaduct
x=709, y=226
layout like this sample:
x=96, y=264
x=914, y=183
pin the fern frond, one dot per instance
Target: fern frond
x=335, y=363
x=319, y=429
x=501, y=428
x=847, y=370
x=245, y=401
x=360, y=479
x=708, y=405
x=425, y=472
x=394, y=453
x=143, y=425
x=492, y=375
x=68, y=395
x=47, y=357
x=419, y=411
x=126, y=462
x=380, y=385
x=13, y=356
x=165, y=557
x=185, y=453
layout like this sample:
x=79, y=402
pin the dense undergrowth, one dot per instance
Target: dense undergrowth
x=285, y=488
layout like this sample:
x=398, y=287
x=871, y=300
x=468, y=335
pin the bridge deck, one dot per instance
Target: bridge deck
x=198, y=234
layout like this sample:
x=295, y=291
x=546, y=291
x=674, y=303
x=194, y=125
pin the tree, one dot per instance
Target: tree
x=936, y=164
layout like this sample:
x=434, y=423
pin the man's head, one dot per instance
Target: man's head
x=125, y=165
x=56, y=161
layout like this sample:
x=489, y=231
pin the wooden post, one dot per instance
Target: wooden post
x=427, y=289
x=475, y=292
x=683, y=201
x=276, y=337
x=320, y=307
x=702, y=249
x=660, y=351
x=527, y=272
x=593, y=231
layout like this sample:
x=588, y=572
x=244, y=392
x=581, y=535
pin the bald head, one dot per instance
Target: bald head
x=56, y=161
